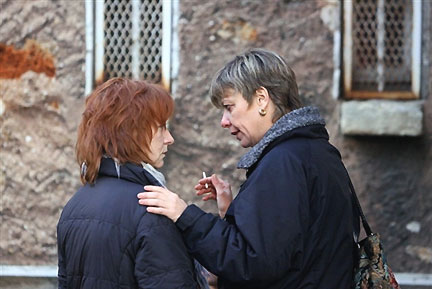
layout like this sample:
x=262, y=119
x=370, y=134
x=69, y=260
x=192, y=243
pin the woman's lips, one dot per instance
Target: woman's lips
x=236, y=134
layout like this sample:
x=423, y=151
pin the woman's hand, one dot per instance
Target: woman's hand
x=162, y=202
x=218, y=190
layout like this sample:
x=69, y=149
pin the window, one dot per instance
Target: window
x=130, y=39
x=382, y=49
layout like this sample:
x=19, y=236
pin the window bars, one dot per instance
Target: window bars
x=382, y=48
x=132, y=39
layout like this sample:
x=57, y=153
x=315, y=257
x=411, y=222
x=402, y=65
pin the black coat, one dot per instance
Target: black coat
x=107, y=240
x=290, y=226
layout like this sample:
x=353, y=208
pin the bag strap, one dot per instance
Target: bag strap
x=357, y=203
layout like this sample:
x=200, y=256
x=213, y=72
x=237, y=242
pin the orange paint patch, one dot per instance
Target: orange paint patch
x=54, y=104
x=14, y=63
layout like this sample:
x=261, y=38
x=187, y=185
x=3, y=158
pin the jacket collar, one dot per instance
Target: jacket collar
x=301, y=117
x=128, y=171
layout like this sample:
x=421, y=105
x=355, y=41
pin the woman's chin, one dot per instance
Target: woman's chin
x=158, y=164
x=245, y=144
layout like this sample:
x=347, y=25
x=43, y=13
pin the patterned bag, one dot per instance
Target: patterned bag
x=372, y=270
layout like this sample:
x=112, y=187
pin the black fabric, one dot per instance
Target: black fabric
x=107, y=240
x=291, y=224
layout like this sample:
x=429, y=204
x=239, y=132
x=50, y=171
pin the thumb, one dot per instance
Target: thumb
x=216, y=181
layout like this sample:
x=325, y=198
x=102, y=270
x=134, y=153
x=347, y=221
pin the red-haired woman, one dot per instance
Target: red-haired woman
x=105, y=238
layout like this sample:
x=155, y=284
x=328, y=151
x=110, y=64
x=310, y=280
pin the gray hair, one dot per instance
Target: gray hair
x=254, y=69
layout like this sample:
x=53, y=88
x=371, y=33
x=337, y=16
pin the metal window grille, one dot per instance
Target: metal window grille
x=118, y=39
x=381, y=48
x=132, y=39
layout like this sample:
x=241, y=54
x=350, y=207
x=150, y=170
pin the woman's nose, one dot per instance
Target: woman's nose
x=168, y=138
x=225, y=122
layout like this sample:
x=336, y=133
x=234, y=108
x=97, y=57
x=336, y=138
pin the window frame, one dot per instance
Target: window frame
x=95, y=42
x=416, y=53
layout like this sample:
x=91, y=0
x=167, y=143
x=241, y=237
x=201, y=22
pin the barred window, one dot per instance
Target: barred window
x=131, y=39
x=382, y=49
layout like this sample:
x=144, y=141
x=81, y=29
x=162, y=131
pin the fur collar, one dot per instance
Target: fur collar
x=301, y=117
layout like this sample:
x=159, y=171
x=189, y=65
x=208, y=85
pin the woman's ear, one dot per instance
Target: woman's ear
x=262, y=97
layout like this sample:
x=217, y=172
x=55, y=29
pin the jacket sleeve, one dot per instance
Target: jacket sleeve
x=162, y=260
x=266, y=240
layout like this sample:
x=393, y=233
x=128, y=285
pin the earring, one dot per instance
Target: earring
x=83, y=169
x=262, y=112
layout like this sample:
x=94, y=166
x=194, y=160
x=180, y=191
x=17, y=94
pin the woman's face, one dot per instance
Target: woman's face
x=243, y=120
x=159, y=146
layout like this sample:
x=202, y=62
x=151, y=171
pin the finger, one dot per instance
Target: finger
x=209, y=194
x=209, y=197
x=201, y=192
x=154, y=189
x=156, y=210
x=206, y=191
x=149, y=195
x=206, y=182
x=215, y=179
x=151, y=202
x=199, y=187
x=202, y=186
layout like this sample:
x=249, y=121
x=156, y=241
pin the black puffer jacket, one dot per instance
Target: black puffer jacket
x=291, y=225
x=107, y=240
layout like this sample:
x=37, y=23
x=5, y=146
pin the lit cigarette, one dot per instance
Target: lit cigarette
x=204, y=176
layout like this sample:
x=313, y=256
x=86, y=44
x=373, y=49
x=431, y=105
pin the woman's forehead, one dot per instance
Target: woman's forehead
x=230, y=93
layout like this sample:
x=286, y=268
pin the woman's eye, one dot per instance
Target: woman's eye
x=228, y=107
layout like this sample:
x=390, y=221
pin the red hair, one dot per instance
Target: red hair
x=119, y=119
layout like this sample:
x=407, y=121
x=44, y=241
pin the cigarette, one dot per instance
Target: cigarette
x=204, y=176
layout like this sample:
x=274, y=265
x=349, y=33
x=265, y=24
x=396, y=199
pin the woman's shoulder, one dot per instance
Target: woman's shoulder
x=298, y=142
x=109, y=200
x=291, y=150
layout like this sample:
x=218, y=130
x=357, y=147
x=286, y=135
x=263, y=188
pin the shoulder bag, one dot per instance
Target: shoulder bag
x=371, y=270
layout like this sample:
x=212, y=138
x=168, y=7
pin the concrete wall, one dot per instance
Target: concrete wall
x=393, y=176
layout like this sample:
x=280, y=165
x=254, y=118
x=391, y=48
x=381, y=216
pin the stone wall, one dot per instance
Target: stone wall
x=44, y=41
x=39, y=116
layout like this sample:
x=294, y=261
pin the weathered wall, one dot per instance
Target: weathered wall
x=39, y=114
x=393, y=176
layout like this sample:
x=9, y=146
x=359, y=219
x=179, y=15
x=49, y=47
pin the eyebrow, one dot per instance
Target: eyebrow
x=226, y=96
